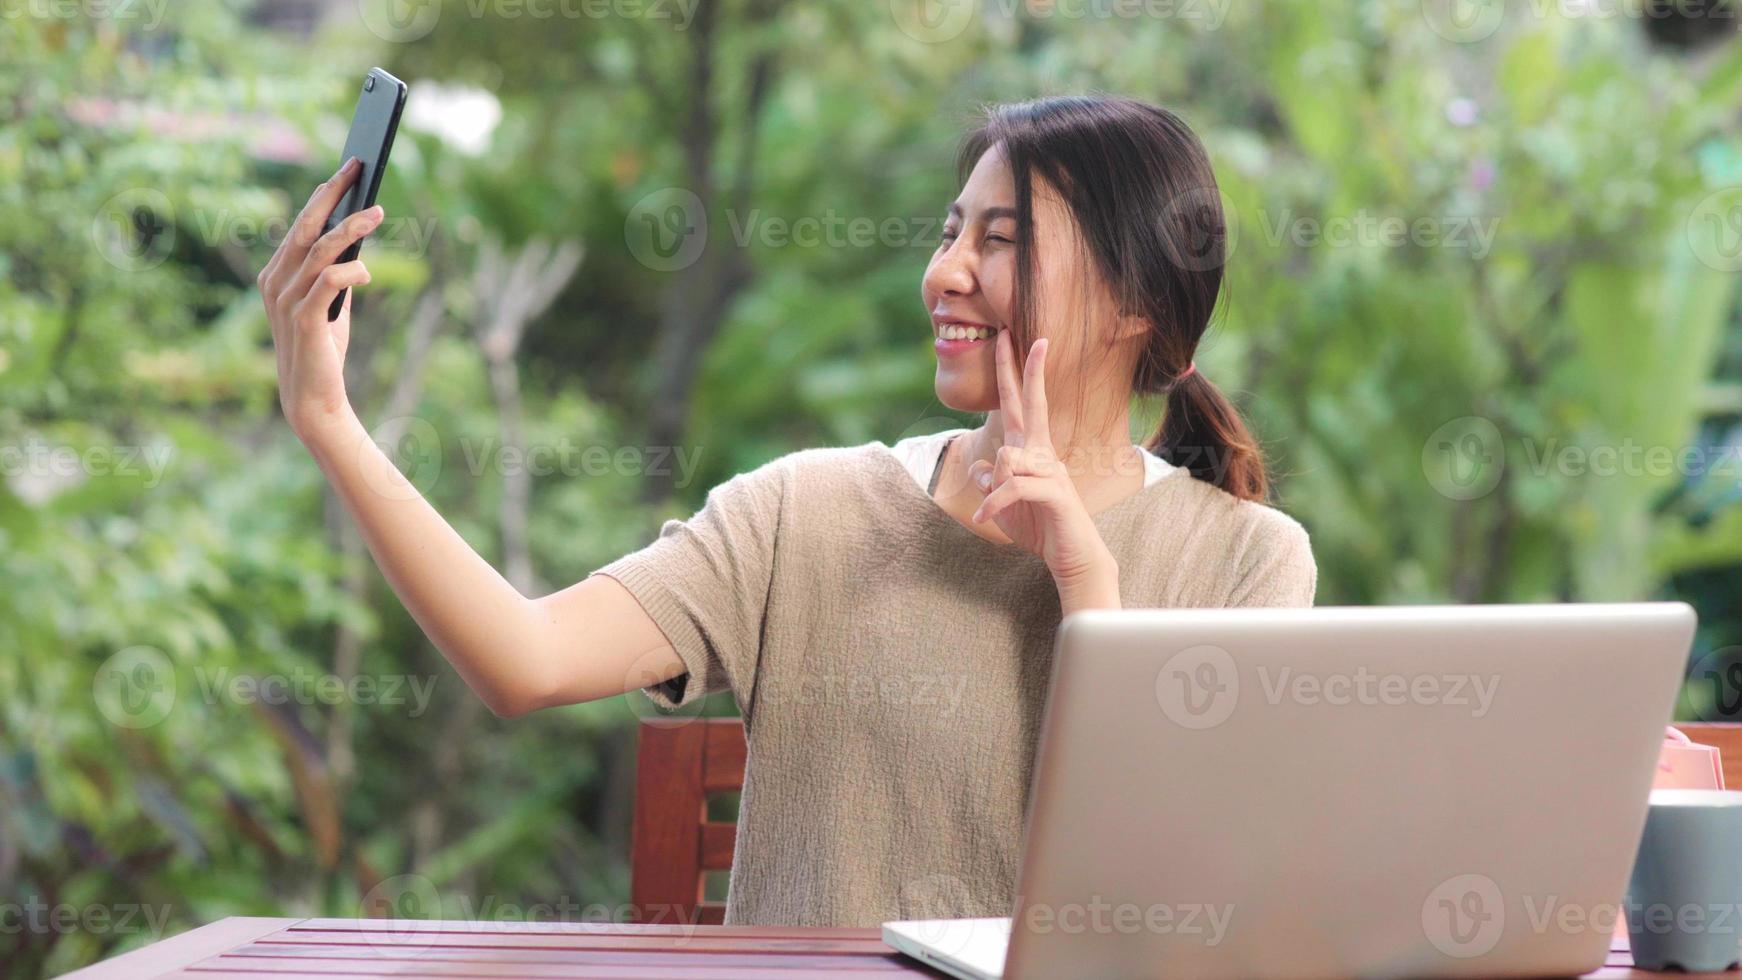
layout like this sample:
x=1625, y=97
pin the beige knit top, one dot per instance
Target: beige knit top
x=891, y=667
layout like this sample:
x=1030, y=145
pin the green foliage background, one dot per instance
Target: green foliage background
x=146, y=169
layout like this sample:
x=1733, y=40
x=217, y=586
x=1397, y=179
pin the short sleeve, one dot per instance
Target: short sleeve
x=1278, y=567
x=705, y=582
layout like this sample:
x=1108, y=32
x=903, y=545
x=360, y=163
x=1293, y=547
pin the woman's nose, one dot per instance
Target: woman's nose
x=951, y=270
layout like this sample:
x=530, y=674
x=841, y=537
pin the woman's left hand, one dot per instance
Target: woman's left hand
x=1029, y=493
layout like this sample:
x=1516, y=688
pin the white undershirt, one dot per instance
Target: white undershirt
x=920, y=455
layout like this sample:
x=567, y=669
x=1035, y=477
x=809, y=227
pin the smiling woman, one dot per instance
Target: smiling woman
x=841, y=563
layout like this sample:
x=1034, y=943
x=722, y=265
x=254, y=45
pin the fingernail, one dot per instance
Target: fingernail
x=984, y=480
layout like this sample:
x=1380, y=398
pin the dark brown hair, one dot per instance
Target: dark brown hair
x=1139, y=186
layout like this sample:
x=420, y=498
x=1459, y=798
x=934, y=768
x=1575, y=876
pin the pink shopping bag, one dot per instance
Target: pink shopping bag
x=1686, y=764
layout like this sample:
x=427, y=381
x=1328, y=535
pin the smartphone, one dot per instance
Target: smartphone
x=372, y=129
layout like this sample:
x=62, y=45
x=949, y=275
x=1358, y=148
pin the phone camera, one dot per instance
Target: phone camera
x=369, y=84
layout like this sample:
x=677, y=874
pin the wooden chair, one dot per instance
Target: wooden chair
x=1727, y=736
x=680, y=764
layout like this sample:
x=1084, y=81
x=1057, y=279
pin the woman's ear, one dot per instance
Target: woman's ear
x=1129, y=325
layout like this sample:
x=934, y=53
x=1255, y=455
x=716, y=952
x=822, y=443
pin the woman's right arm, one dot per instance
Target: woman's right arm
x=592, y=640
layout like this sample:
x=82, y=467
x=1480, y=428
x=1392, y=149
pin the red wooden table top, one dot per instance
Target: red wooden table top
x=307, y=949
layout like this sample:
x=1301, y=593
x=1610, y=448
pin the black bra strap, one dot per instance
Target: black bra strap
x=938, y=470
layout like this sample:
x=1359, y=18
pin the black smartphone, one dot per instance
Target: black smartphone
x=372, y=130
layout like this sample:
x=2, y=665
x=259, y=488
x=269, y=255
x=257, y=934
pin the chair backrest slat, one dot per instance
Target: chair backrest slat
x=680, y=764
x=723, y=758
x=719, y=840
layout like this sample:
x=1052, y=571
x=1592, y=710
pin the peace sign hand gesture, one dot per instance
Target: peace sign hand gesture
x=1029, y=493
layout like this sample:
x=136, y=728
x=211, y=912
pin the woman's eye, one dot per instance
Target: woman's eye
x=999, y=238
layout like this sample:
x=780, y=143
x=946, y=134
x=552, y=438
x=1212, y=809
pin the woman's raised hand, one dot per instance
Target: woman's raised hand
x=298, y=285
x=1029, y=493
x=589, y=641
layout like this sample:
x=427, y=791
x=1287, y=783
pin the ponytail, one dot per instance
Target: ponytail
x=1202, y=431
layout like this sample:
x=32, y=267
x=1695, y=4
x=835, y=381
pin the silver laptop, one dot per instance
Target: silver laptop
x=1380, y=792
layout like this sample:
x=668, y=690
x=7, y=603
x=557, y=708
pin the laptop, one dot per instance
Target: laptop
x=1397, y=791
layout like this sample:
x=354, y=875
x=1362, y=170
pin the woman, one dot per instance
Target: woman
x=885, y=615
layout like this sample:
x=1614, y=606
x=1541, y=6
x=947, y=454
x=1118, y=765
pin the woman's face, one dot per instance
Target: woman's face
x=970, y=287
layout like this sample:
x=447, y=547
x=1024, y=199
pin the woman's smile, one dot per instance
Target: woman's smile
x=956, y=336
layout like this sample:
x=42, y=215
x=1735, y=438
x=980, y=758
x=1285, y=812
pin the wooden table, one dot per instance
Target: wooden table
x=305, y=949
x=319, y=949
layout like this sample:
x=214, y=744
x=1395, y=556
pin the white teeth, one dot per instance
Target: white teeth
x=953, y=331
